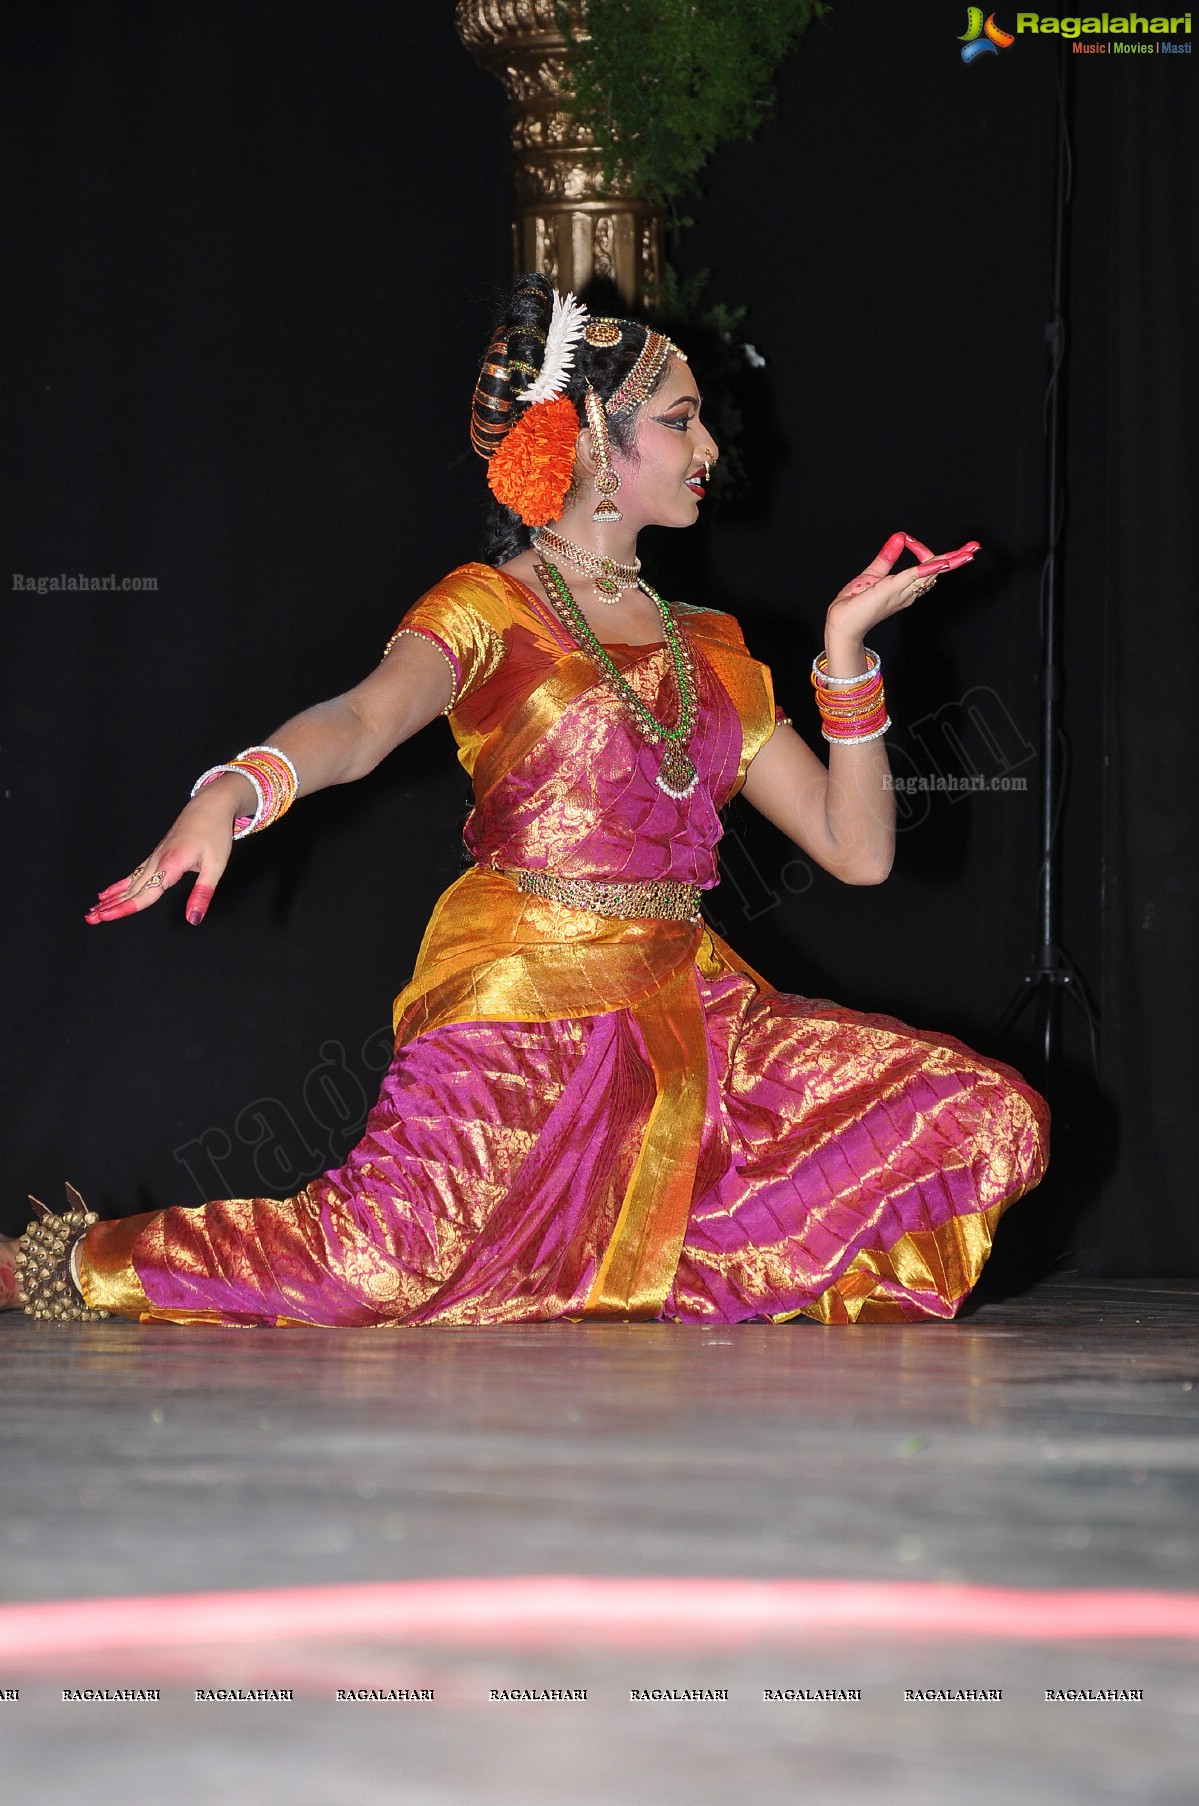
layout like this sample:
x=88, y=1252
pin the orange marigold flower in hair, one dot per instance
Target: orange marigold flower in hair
x=531, y=469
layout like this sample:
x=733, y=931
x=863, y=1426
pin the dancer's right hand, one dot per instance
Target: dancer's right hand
x=199, y=841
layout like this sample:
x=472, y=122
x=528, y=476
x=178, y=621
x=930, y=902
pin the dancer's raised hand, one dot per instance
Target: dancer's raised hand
x=881, y=590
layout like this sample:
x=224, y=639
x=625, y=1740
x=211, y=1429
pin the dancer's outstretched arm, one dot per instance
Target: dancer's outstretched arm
x=333, y=742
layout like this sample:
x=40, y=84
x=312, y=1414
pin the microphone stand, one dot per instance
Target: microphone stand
x=1053, y=974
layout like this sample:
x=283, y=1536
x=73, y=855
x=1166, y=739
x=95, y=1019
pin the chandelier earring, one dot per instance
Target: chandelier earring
x=607, y=480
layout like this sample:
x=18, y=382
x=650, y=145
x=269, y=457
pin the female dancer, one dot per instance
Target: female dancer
x=596, y=1109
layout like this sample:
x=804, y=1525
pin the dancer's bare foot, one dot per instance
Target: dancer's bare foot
x=8, y=1274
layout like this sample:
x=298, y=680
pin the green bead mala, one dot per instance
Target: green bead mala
x=677, y=775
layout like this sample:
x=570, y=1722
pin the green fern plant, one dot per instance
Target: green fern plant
x=661, y=83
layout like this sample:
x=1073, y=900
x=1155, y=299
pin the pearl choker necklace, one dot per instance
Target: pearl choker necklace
x=609, y=579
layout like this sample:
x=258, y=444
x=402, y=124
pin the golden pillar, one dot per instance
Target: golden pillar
x=569, y=223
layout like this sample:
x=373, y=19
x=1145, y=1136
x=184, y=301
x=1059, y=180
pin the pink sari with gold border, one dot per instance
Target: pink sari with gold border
x=588, y=1117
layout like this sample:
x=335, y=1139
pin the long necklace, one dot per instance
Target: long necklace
x=609, y=579
x=676, y=775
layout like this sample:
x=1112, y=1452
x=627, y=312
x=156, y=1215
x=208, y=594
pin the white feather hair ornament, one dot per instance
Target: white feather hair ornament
x=566, y=329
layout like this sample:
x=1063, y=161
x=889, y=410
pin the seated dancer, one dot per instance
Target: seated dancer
x=596, y=1108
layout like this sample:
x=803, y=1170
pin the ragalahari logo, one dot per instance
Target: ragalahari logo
x=983, y=37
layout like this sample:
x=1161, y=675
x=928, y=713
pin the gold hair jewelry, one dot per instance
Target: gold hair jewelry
x=609, y=578
x=607, y=480
x=602, y=333
x=645, y=372
x=490, y=412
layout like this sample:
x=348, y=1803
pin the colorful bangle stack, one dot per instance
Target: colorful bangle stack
x=275, y=783
x=851, y=708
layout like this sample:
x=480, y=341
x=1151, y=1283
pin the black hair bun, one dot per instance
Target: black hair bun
x=511, y=361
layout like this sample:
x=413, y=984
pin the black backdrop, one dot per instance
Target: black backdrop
x=256, y=255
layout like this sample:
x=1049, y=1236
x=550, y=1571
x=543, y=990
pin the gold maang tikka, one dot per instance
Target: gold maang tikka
x=607, y=480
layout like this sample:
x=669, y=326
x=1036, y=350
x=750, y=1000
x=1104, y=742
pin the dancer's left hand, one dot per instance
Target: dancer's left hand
x=881, y=591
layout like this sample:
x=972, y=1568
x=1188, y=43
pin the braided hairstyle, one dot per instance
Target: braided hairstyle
x=512, y=361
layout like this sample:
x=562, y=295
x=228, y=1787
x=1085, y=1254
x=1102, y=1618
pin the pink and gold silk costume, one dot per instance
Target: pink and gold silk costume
x=593, y=1117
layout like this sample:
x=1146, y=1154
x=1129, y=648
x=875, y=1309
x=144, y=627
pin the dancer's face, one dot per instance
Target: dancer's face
x=664, y=485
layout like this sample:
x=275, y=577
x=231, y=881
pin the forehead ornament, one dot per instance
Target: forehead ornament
x=644, y=374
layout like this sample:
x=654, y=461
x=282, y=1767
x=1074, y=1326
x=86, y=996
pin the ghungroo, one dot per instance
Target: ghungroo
x=45, y=1285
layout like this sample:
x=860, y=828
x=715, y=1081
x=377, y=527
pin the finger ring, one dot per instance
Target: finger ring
x=922, y=589
x=155, y=879
x=139, y=869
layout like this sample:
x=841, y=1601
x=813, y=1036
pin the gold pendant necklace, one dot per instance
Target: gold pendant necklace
x=609, y=579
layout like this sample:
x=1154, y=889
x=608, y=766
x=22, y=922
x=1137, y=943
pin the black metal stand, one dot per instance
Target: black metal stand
x=1053, y=974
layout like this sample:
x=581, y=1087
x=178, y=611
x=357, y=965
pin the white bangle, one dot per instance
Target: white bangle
x=827, y=682
x=215, y=771
x=266, y=798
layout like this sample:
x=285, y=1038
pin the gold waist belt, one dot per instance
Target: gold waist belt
x=660, y=899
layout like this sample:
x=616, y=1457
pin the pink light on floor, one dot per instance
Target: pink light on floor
x=598, y=1611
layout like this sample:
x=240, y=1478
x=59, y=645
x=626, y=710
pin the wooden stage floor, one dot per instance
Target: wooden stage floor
x=1042, y=1444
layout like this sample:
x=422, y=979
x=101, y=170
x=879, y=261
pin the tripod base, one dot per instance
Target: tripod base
x=1054, y=976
